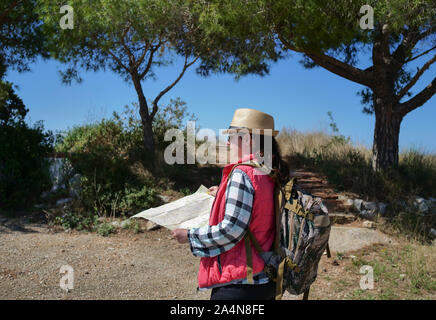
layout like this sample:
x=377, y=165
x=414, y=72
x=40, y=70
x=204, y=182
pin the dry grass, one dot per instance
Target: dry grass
x=311, y=144
x=348, y=166
x=402, y=271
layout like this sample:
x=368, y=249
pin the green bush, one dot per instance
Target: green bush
x=105, y=229
x=107, y=154
x=75, y=220
x=24, y=171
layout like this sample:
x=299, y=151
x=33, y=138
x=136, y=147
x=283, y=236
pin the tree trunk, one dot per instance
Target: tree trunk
x=146, y=120
x=386, y=136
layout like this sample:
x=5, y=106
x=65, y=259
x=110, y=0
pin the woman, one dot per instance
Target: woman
x=244, y=200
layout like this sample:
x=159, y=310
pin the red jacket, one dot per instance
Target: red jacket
x=262, y=225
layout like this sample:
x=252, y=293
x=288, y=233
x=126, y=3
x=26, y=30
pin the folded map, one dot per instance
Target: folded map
x=188, y=212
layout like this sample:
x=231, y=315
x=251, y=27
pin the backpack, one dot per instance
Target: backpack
x=304, y=229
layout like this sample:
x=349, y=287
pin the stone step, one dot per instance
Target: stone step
x=324, y=195
x=341, y=218
x=334, y=205
x=319, y=183
x=301, y=174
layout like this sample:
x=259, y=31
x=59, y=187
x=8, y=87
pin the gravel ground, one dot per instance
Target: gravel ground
x=149, y=265
x=123, y=266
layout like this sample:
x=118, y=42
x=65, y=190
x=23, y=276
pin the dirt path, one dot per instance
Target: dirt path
x=122, y=266
x=148, y=265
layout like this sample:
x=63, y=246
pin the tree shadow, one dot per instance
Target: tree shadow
x=20, y=223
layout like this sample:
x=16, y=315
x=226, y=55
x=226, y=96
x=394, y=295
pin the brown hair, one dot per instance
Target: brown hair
x=279, y=166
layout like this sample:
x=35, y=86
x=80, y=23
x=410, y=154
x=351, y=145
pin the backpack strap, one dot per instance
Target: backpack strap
x=279, y=203
x=247, y=236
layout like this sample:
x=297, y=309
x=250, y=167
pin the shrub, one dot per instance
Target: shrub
x=24, y=171
x=107, y=154
x=104, y=154
x=105, y=229
x=76, y=220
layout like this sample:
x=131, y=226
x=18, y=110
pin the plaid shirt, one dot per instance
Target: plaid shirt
x=211, y=241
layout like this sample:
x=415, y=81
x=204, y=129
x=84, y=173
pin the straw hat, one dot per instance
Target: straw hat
x=250, y=119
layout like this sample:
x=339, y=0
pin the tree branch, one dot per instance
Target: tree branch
x=418, y=100
x=333, y=65
x=14, y=4
x=410, y=39
x=160, y=95
x=141, y=59
x=418, y=75
x=420, y=55
x=117, y=60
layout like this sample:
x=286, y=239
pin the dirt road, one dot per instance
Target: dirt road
x=122, y=266
x=149, y=265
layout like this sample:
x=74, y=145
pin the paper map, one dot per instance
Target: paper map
x=188, y=212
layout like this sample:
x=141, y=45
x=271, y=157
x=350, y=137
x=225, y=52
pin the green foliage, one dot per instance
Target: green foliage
x=186, y=191
x=172, y=116
x=21, y=37
x=110, y=156
x=308, y=26
x=103, y=27
x=132, y=224
x=23, y=169
x=337, y=138
x=105, y=229
x=73, y=220
x=104, y=153
x=327, y=33
x=137, y=198
x=403, y=271
x=12, y=108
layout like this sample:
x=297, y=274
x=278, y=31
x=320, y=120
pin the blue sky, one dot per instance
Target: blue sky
x=296, y=97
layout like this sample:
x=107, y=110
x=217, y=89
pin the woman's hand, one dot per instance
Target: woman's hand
x=213, y=190
x=181, y=235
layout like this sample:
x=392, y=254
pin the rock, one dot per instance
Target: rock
x=372, y=206
x=75, y=186
x=421, y=204
x=348, y=202
x=152, y=226
x=357, y=203
x=164, y=198
x=61, y=202
x=433, y=232
x=368, y=214
x=342, y=197
x=369, y=224
x=402, y=276
x=382, y=208
x=347, y=239
x=116, y=224
x=125, y=223
x=56, y=187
